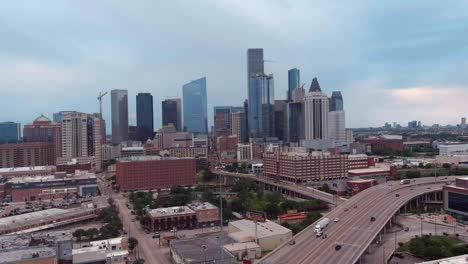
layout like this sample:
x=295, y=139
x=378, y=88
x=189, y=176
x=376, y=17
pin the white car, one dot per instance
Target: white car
x=337, y=220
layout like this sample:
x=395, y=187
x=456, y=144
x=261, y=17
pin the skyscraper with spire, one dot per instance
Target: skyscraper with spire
x=316, y=117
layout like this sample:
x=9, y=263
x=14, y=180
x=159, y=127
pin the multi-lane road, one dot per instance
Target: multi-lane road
x=354, y=231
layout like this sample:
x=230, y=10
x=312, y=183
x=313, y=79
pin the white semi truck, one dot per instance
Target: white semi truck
x=320, y=226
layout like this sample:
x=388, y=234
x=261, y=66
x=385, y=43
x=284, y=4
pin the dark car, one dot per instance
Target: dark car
x=337, y=247
x=406, y=229
x=372, y=219
x=397, y=195
x=292, y=242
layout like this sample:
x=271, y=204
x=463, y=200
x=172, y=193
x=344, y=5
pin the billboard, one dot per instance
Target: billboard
x=256, y=216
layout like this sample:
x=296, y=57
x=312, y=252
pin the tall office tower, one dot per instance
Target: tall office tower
x=261, y=106
x=295, y=116
x=349, y=136
x=172, y=113
x=463, y=122
x=10, y=132
x=337, y=128
x=336, y=101
x=239, y=124
x=294, y=80
x=316, y=117
x=254, y=63
x=81, y=139
x=144, y=112
x=119, y=107
x=222, y=121
x=44, y=130
x=195, y=111
x=246, y=111
x=57, y=117
x=281, y=119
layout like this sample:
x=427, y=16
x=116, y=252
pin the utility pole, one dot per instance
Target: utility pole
x=383, y=255
x=100, y=96
x=221, y=216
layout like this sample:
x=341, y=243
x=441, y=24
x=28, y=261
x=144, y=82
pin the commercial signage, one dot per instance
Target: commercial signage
x=256, y=216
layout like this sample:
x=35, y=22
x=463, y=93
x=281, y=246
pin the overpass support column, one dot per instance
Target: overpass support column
x=380, y=237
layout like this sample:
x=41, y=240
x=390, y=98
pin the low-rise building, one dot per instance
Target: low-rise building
x=457, y=159
x=202, y=250
x=382, y=172
x=455, y=197
x=109, y=251
x=384, y=142
x=270, y=235
x=132, y=151
x=27, y=171
x=207, y=214
x=446, y=149
x=244, y=251
x=359, y=161
x=355, y=186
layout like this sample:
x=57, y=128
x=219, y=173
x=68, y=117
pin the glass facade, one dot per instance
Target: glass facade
x=261, y=113
x=293, y=81
x=458, y=202
x=295, y=121
x=336, y=101
x=171, y=113
x=195, y=109
x=144, y=112
x=119, y=107
x=10, y=132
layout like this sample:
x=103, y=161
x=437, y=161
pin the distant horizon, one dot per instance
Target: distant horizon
x=396, y=61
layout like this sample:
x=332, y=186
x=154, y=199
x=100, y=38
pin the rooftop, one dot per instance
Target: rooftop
x=201, y=206
x=233, y=247
x=199, y=249
x=264, y=229
x=355, y=156
x=370, y=170
x=24, y=254
x=462, y=259
x=27, y=169
x=147, y=158
x=133, y=149
x=170, y=211
x=49, y=178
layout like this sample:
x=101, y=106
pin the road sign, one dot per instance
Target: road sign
x=256, y=215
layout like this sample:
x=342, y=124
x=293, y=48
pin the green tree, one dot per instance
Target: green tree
x=139, y=261
x=446, y=166
x=92, y=233
x=78, y=234
x=272, y=210
x=145, y=221
x=413, y=174
x=132, y=243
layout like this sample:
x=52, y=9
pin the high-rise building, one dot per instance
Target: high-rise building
x=119, y=107
x=195, y=111
x=336, y=101
x=295, y=116
x=81, y=139
x=43, y=130
x=255, y=63
x=463, y=122
x=293, y=81
x=57, y=117
x=239, y=124
x=281, y=119
x=222, y=121
x=144, y=112
x=27, y=154
x=261, y=106
x=336, y=127
x=10, y=132
x=413, y=124
x=316, y=117
x=172, y=113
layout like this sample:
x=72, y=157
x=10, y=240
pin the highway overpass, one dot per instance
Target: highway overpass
x=286, y=188
x=355, y=231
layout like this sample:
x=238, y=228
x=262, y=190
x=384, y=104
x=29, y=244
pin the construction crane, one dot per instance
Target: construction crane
x=100, y=96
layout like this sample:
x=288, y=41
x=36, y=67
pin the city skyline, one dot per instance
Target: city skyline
x=410, y=73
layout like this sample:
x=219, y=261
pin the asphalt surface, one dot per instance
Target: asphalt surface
x=308, y=192
x=354, y=232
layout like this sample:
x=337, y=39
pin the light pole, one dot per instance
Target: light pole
x=383, y=255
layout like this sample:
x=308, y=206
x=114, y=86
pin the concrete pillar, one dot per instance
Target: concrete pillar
x=380, y=237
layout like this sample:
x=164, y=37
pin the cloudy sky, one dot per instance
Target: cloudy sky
x=393, y=60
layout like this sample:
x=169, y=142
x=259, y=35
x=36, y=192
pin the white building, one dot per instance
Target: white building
x=449, y=149
x=82, y=139
x=111, y=251
x=270, y=234
x=349, y=136
x=336, y=127
x=244, y=152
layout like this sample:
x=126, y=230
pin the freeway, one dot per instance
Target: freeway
x=355, y=231
x=292, y=187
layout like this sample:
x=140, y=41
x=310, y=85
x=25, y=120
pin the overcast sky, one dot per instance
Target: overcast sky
x=393, y=60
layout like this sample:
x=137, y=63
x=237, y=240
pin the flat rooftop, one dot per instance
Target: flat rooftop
x=201, y=206
x=24, y=254
x=49, y=178
x=39, y=238
x=170, y=211
x=133, y=149
x=264, y=229
x=27, y=169
x=370, y=170
x=147, y=158
x=198, y=249
x=356, y=156
x=462, y=259
x=233, y=247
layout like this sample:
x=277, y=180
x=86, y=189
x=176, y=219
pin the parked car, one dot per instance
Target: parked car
x=372, y=219
x=337, y=220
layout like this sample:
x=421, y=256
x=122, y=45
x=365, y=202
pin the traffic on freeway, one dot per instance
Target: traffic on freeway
x=360, y=219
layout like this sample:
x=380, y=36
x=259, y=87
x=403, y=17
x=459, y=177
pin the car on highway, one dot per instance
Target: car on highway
x=337, y=247
x=397, y=195
x=406, y=229
x=337, y=220
x=292, y=242
x=372, y=219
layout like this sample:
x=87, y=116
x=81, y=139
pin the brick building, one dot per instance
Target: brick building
x=154, y=172
x=360, y=161
x=303, y=167
x=42, y=129
x=27, y=154
x=384, y=142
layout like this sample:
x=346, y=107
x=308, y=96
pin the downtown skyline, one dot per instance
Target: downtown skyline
x=405, y=65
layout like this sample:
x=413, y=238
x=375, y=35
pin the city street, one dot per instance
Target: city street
x=148, y=247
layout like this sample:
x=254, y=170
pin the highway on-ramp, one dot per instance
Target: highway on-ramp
x=354, y=231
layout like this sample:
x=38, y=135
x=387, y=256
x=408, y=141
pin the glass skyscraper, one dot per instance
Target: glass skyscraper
x=261, y=115
x=336, y=101
x=144, y=112
x=171, y=113
x=119, y=107
x=195, y=109
x=293, y=81
x=10, y=132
